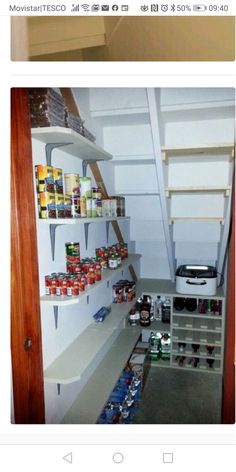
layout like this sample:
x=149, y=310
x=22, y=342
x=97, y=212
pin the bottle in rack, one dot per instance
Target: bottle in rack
x=145, y=311
x=158, y=308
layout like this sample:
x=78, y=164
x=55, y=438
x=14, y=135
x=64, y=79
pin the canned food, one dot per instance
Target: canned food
x=44, y=179
x=61, y=286
x=60, y=207
x=93, y=207
x=113, y=207
x=96, y=193
x=90, y=277
x=58, y=181
x=98, y=272
x=89, y=207
x=54, y=285
x=48, y=284
x=82, y=284
x=71, y=184
x=83, y=211
x=85, y=187
x=73, y=268
x=73, y=259
x=75, y=206
x=99, y=207
x=47, y=206
x=112, y=262
x=106, y=209
x=72, y=287
x=72, y=249
x=67, y=206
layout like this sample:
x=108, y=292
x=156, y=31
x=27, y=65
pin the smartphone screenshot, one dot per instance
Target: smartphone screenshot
x=117, y=342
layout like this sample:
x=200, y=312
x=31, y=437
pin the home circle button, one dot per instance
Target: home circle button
x=118, y=457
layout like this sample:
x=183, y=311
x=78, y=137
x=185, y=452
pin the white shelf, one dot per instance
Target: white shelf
x=122, y=116
x=141, y=159
x=107, y=275
x=204, y=219
x=77, y=221
x=198, y=151
x=80, y=147
x=217, y=188
x=199, y=316
x=88, y=348
x=91, y=400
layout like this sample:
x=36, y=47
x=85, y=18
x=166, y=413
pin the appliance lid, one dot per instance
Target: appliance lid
x=196, y=271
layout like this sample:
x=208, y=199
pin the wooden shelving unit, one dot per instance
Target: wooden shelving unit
x=202, y=150
x=217, y=188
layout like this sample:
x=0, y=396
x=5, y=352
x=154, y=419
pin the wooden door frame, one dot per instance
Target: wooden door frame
x=228, y=403
x=27, y=366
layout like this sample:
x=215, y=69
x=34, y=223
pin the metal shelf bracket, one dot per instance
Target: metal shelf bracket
x=86, y=231
x=85, y=164
x=52, y=230
x=55, y=310
x=49, y=148
x=58, y=389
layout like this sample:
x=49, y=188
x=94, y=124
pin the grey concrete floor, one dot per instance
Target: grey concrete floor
x=172, y=396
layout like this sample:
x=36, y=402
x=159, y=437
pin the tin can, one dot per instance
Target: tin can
x=82, y=284
x=99, y=207
x=67, y=206
x=73, y=268
x=93, y=207
x=60, y=206
x=53, y=287
x=44, y=179
x=106, y=209
x=73, y=259
x=72, y=249
x=71, y=184
x=72, y=287
x=89, y=207
x=47, y=206
x=113, y=207
x=75, y=206
x=48, y=284
x=98, y=272
x=85, y=187
x=58, y=180
x=61, y=286
x=90, y=277
x=83, y=211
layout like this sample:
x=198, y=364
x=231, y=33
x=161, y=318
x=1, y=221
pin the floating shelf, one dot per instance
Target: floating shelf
x=76, y=145
x=88, y=348
x=85, y=410
x=122, y=116
x=204, y=219
x=107, y=275
x=133, y=160
x=198, y=316
x=221, y=188
x=203, y=150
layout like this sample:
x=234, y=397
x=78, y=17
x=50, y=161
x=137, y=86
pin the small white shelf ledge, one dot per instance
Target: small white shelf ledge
x=85, y=410
x=77, y=221
x=217, y=188
x=141, y=159
x=122, y=116
x=88, y=348
x=107, y=275
x=203, y=150
x=80, y=147
x=205, y=219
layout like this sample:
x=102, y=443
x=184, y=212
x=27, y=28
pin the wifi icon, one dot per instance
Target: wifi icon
x=85, y=7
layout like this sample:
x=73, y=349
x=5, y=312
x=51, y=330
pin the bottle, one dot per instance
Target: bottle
x=145, y=309
x=195, y=347
x=158, y=308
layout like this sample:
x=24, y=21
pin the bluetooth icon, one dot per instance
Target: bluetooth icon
x=173, y=8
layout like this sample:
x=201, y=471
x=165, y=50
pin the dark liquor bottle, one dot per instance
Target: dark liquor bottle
x=210, y=362
x=195, y=347
x=182, y=347
x=145, y=312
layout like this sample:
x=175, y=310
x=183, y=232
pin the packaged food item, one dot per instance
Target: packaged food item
x=48, y=284
x=47, y=205
x=93, y=207
x=60, y=206
x=112, y=262
x=71, y=184
x=89, y=207
x=113, y=207
x=165, y=346
x=58, y=180
x=83, y=210
x=134, y=317
x=72, y=249
x=99, y=207
x=61, y=285
x=106, y=209
x=96, y=193
x=44, y=179
x=68, y=206
x=85, y=187
x=75, y=206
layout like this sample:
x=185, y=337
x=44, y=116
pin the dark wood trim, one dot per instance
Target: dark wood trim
x=27, y=366
x=228, y=405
